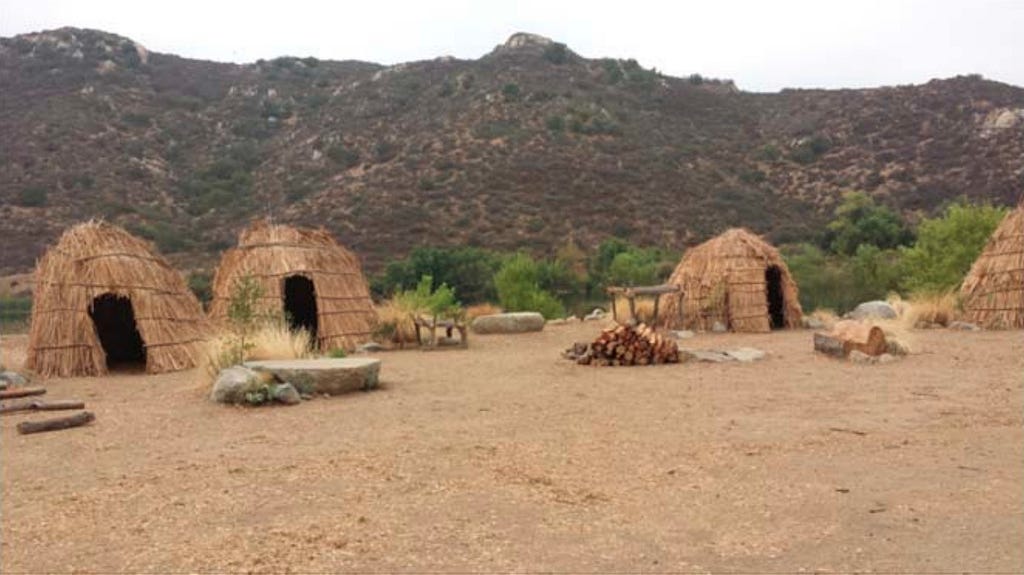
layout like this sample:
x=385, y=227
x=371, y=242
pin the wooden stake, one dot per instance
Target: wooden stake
x=76, y=420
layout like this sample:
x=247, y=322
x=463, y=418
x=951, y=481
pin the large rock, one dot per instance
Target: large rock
x=232, y=384
x=746, y=354
x=330, y=376
x=873, y=310
x=286, y=393
x=518, y=322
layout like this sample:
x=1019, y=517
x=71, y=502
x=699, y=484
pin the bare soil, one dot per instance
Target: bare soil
x=505, y=457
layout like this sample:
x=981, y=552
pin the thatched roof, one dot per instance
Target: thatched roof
x=94, y=259
x=271, y=253
x=723, y=280
x=993, y=291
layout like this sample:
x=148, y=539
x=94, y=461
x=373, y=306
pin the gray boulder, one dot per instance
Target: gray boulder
x=873, y=310
x=330, y=376
x=232, y=384
x=370, y=347
x=861, y=357
x=595, y=315
x=519, y=322
x=719, y=327
x=11, y=378
x=709, y=355
x=286, y=393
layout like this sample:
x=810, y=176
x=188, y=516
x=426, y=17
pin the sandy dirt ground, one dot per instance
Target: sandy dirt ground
x=505, y=457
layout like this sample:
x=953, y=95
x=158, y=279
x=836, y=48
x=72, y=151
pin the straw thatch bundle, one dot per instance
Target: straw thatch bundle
x=97, y=262
x=993, y=291
x=736, y=279
x=272, y=254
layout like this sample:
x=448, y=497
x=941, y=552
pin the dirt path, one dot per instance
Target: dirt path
x=505, y=457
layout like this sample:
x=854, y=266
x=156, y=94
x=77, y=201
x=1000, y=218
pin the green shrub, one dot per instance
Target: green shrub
x=518, y=287
x=337, y=353
x=556, y=53
x=511, y=92
x=32, y=197
x=808, y=150
x=947, y=246
x=859, y=220
x=200, y=283
x=468, y=270
x=343, y=156
x=555, y=123
x=840, y=282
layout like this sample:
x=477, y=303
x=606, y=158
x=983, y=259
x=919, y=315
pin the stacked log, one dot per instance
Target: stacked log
x=627, y=345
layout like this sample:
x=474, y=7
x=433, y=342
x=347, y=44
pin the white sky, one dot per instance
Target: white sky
x=762, y=45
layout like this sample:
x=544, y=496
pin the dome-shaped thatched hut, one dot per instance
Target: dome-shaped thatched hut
x=736, y=279
x=104, y=297
x=315, y=282
x=993, y=291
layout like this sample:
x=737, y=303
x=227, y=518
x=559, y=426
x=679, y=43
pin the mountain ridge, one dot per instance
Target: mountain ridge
x=524, y=147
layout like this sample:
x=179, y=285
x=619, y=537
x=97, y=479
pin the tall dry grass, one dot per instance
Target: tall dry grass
x=937, y=308
x=273, y=340
x=394, y=321
x=481, y=309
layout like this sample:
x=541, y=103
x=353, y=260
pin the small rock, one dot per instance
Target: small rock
x=746, y=354
x=287, y=394
x=861, y=357
x=877, y=309
x=710, y=355
x=681, y=334
x=370, y=347
x=812, y=323
x=597, y=314
x=886, y=358
x=719, y=327
x=232, y=383
x=964, y=326
x=12, y=378
x=896, y=347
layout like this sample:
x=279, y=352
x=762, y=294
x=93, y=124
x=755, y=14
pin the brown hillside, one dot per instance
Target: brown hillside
x=520, y=148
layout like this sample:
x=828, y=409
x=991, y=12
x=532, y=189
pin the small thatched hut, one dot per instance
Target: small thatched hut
x=736, y=279
x=104, y=297
x=993, y=291
x=316, y=283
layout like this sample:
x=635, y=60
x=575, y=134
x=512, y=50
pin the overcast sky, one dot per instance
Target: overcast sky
x=762, y=45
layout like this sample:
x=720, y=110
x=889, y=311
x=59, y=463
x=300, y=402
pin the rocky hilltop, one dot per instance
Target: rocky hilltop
x=524, y=147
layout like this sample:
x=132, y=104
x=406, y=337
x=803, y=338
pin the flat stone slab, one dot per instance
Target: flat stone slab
x=518, y=322
x=740, y=354
x=330, y=376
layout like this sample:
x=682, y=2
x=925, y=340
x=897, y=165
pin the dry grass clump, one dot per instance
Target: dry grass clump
x=939, y=308
x=481, y=309
x=394, y=321
x=827, y=317
x=273, y=340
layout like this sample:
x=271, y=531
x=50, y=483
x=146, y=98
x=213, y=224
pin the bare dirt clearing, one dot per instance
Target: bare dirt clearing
x=506, y=457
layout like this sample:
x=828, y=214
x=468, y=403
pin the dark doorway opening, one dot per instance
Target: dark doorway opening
x=300, y=304
x=114, y=321
x=776, y=303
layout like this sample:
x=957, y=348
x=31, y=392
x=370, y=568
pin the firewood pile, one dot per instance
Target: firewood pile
x=626, y=345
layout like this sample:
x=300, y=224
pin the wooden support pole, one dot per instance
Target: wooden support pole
x=57, y=423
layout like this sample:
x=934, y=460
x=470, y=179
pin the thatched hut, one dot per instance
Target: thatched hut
x=105, y=298
x=993, y=291
x=317, y=284
x=736, y=279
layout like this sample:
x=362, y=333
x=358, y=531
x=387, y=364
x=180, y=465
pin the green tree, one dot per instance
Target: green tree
x=859, y=220
x=947, y=246
x=518, y=286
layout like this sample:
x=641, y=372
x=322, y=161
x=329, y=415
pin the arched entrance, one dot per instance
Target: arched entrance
x=300, y=304
x=113, y=319
x=776, y=300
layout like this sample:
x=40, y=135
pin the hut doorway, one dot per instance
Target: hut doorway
x=114, y=320
x=300, y=304
x=773, y=291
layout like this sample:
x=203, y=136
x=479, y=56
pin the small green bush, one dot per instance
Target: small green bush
x=556, y=53
x=518, y=286
x=32, y=197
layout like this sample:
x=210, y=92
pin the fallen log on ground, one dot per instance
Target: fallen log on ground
x=40, y=405
x=21, y=392
x=56, y=423
x=848, y=336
